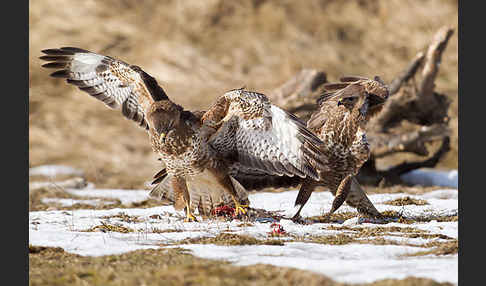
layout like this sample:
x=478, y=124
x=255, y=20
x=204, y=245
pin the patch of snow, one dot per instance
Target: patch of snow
x=71, y=202
x=354, y=263
x=125, y=196
x=350, y=263
x=441, y=194
x=54, y=170
x=432, y=177
x=448, y=228
x=90, y=243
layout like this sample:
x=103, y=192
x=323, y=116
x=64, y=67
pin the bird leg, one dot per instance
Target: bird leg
x=239, y=208
x=180, y=189
x=302, y=197
x=225, y=180
x=189, y=216
x=357, y=198
x=341, y=194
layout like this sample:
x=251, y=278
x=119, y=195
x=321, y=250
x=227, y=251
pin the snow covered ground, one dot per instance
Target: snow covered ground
x=161, y=226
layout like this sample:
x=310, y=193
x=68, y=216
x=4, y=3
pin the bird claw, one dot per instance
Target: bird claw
x=300, y=220
x=240, y=209
x=190, y=218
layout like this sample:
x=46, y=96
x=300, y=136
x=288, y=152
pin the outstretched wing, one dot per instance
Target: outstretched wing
x=258, y=135
x=118, y=84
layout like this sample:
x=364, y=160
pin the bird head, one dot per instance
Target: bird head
x=164, y=116
x=364, y=95
x=377, y=93
x=355, y=102
x=243, y=103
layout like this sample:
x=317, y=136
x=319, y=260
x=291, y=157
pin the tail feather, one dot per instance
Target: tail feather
x=204, y=190
x=164, y=191
x=159, y=176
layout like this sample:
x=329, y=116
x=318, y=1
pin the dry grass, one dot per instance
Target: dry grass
x=333, y=218
x=444, y=248
x=172, y=267
x=199, y=49
x=415, y=190
x=375, y=236
x=108, y=227
x=406, y=201
x=225, y=238
x=54, y=191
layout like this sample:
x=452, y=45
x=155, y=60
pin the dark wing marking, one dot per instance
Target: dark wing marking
x=254, y=179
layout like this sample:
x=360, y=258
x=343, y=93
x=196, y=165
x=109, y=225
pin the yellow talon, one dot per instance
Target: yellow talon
x=190, y=218
x=240, y=208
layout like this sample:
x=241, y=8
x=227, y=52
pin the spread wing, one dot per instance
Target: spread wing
x=256, y=134
x=253, y=179
x=117, y=84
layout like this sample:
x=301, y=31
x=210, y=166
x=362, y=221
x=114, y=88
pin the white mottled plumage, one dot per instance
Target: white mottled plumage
x=263, y=136
x=199, y=149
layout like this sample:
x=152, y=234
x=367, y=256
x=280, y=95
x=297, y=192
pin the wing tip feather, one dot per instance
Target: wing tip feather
x=60, y=74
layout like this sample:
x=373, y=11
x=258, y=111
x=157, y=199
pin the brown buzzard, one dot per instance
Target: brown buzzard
x=344, y=110
x=340, y=123
x=199, y=149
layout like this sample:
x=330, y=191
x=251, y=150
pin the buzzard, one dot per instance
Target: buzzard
x=344, y=110
x=199, y=149
x=340, y=122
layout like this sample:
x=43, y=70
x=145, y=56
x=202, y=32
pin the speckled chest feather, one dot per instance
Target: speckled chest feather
x=184, y=150
x=346, y=145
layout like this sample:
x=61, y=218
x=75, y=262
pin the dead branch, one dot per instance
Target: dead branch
x=413, y=141
x=390, y=131
x=422, y=106
x=433, y=59
x=299, y=94
x=407, y=74
x=428, y=163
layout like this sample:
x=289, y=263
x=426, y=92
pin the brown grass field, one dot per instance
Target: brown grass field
x=197, y=50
